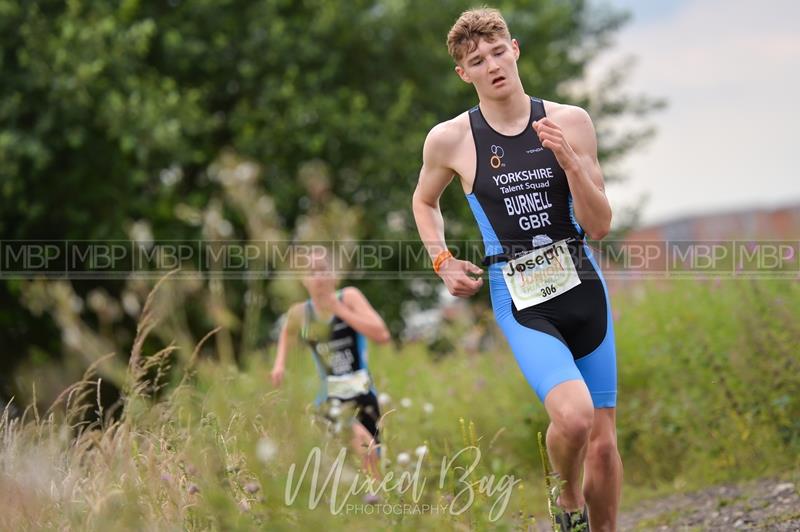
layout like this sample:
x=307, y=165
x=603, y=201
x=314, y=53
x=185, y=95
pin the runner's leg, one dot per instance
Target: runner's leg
x=602, y=477
x=364, y=445
x=569, y=406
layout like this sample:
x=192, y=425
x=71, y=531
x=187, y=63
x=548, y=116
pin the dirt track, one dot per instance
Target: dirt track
x=767, y=504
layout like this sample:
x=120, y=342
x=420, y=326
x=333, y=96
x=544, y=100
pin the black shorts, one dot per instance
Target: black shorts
x=362, y=408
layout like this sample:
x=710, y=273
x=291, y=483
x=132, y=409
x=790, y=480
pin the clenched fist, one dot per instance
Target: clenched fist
x=456, y=276
x=552, y=138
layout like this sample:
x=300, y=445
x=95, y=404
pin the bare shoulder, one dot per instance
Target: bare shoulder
x=351, y=292
x=353, y=296
x=449, y=133
x=568, y=116
x=295, y=313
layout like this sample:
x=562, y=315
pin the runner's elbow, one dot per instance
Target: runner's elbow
x=419, y=201
x=599, y=232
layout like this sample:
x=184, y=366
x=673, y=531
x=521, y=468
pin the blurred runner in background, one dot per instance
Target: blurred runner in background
x=336, y=325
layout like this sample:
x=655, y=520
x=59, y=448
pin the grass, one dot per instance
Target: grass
x=707, y=375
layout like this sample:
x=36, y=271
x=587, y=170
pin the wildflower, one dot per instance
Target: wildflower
x=265, y=205
x=76, y=304
x=251, y=487
x=421, y=450
x=193, y=489
x=141, y=233
x=244, y=505
x=384, y=399
x=427, y=408
x=403, y=458
x=266, y=450
x=334, y=411
x=225, y=228
x=130, y=303
x=171, y=176
x=371, y=498
x=71, y=336
x=97, y=300
x=405, y=402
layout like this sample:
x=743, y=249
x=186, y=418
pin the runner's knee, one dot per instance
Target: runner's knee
x=602, y=449
x=574, y=423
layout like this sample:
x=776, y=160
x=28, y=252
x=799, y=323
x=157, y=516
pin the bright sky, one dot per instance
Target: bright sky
x=730, y=71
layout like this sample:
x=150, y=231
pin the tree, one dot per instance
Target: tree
x=112, y=112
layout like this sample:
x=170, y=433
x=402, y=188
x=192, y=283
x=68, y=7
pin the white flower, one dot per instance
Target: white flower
x=71, y=336
x=76, y=304
x=170, y=176
x=225, y=228
x=141, y=233
x=97, y=300
x=384, y=399
x=403, y=459
x=396, y=221
x=245, y=172
x=334, y=411
x=427, y=408
x=266, y=450
x=405, y=402
x=335, y=402
x=130, y=303
x=265, y=205
x=421, y=450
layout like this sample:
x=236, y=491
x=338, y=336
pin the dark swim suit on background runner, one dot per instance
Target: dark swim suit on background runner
x=562, y=327
x=341, y=359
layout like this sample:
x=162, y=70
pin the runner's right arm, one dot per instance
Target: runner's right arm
x=434, y=177
x=286, y=341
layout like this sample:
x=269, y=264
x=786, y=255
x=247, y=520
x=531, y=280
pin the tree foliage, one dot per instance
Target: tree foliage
x=112, y=112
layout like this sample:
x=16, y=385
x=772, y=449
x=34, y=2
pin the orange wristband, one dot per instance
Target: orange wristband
x=440, y=258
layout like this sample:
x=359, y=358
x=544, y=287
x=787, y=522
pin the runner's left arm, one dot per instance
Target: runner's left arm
x=574, y=144
x=354, y=308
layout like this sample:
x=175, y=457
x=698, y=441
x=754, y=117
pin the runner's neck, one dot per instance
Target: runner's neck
x=508, y=116
x=326, y=315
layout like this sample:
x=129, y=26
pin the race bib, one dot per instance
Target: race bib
x=540, y=275
x=349, y=385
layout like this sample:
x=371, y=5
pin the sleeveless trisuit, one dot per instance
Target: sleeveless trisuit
x=521, y=201
x=342, y=352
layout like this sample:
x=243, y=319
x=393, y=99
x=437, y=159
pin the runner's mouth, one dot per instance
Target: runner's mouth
x=498, y=80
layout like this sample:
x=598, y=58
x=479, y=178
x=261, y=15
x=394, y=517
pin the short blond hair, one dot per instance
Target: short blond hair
x=472, y=25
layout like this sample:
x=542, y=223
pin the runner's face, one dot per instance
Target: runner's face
x=320, y=282
x=492, y=67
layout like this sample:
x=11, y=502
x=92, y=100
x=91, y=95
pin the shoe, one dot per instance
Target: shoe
x=576, y=521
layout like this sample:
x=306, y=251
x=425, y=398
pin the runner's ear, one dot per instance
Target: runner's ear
x=462, y=74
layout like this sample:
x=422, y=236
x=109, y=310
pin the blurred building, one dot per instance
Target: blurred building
x=774, y=224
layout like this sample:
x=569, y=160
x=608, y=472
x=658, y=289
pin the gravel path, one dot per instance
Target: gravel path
x=766, y=504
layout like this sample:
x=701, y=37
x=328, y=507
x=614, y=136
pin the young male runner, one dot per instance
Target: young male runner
x=335, y=325
x=530, y=173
